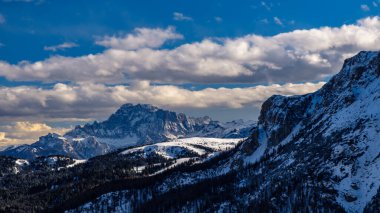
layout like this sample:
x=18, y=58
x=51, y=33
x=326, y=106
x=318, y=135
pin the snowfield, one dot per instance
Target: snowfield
x=198, y=145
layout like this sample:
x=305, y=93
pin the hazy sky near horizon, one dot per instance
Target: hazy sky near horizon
x=68, y=62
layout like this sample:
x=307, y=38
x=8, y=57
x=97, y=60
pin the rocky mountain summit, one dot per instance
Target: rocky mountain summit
x=143, y=123
x=130, y=125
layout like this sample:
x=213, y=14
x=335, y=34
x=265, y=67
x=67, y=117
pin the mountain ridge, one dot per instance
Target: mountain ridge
x=130, y=125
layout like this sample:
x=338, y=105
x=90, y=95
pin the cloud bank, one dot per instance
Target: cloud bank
x=89, y=100
x=141, y=38
x=297, y=56
x=25, y=132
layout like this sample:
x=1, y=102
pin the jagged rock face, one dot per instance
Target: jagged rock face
x=149, y=124
x=146, y=122
x=333, y=134
x=130, y=125
x=280, y=115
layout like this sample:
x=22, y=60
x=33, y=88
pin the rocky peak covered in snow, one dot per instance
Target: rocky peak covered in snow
x=145, y=123
x=280, y=114
x=130, y=125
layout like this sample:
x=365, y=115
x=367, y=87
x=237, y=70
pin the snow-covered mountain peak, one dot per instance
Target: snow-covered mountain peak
x=280, y=115
x=359, y=70
x=363, y=58
x=128, y=107
x=143, y=123
x=130, y=125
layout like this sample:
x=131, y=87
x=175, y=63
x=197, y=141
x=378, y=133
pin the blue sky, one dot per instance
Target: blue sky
x=30, y=26
x=69, y=62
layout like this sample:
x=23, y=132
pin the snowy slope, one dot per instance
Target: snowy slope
x=179, y=151
x=174, y=149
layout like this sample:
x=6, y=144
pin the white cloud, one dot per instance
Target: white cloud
x=141, y=38
x=96, y=100
x=364, y=7
x=296, y=56
x=22, y=132
x=2, y=19
x=63, y=46
x=374, y=4
x=278, y=21
x=181, y=17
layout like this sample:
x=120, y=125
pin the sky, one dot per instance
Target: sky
x=64, y=63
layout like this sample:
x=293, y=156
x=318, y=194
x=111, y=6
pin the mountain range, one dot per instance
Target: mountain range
x=130, y=125
x=317, y=152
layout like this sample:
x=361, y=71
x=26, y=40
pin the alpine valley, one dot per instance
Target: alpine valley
x=318, y=152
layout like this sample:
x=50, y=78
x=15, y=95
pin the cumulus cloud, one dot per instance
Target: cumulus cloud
x=63, y=46
x=22, y=132
x=296, y=56
x=181, y=17
x=141, y=38
x=97, y=100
